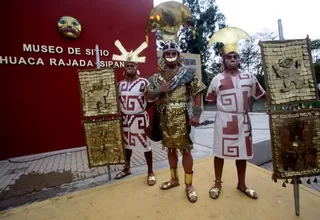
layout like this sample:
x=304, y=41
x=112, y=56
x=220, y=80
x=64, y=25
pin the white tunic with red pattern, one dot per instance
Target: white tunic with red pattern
x=232, y=129
x=135, y=119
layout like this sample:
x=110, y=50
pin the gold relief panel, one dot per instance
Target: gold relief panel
x=289, y=73
x=99, y=92
x=295, y=143
x=69, y=27
x=104, y=143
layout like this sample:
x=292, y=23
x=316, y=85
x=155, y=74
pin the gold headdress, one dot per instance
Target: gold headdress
x=229, y=36
x=132, y=56
x=168, y=17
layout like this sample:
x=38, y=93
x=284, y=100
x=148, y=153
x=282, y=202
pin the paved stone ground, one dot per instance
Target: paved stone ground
x=75, y=163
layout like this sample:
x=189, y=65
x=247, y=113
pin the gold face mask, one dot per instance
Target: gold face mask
x=69, y=27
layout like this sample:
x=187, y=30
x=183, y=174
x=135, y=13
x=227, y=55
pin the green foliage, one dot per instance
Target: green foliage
x=315, y=44
x=317, y=71
x=207, y=20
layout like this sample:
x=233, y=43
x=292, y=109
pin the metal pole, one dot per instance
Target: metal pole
x=296, y=195
x=295, y=180
x=97, y=57
x=98, y=67
x=280, y=30
x=109, y=171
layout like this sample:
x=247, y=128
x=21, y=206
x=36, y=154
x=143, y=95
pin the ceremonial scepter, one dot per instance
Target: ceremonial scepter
x=98, y=67
x=295, y=180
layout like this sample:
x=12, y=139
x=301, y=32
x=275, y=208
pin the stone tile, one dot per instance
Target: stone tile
x=4, y=167
x=62, y=162
x=77, y=161
x=67, y=165
x=50, y=164
x=56, y=162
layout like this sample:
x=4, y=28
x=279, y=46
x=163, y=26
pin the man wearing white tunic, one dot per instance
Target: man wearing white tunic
x=231, y=90
x=135, y=119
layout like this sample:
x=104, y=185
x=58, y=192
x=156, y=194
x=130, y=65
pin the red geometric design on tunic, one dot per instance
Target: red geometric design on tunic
x=136, y=82
x=232, y=126
x=124, y=86
x=228, y=99
x=141, y=137
x=244, y=76
x=226, y=83
x=123, y=100
x=140, y=118
x=127, y=86
x=126, y=135
x=246, y=85
x=130, y=102
x=246, y=99
x=131, y=137
x=245, y=119
x=248, y=145
x=142, y=87
x=212, y=96
x=258, y=91
x=229, y=151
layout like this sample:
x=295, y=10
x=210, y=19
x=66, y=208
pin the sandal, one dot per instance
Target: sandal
x=214, y=192
x=169, y=184
x=191, y=194
x=125, y=172
x=151, y=180
x=249, y=192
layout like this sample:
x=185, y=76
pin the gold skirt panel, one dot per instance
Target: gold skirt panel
x=174, y=128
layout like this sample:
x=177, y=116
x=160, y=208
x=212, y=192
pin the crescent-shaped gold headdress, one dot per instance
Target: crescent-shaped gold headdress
x=168, y=17
x=229, y=36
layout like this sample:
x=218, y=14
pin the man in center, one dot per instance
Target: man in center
x=176, y=91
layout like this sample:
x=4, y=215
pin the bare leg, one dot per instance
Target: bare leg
x=173, y=158
x=126, y=169
x=173, y=163
x=148, y=156
x=151, y=179
x=128, y=156
x=241, y=168
x=216, y=188
x=218, y=167
x=187, y=162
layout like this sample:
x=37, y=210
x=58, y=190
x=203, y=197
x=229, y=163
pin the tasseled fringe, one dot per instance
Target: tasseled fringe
x=291, y=182
x=299, y=181
x=315, y=180
x=284, y=184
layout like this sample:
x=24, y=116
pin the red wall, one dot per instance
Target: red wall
x=40, y=105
